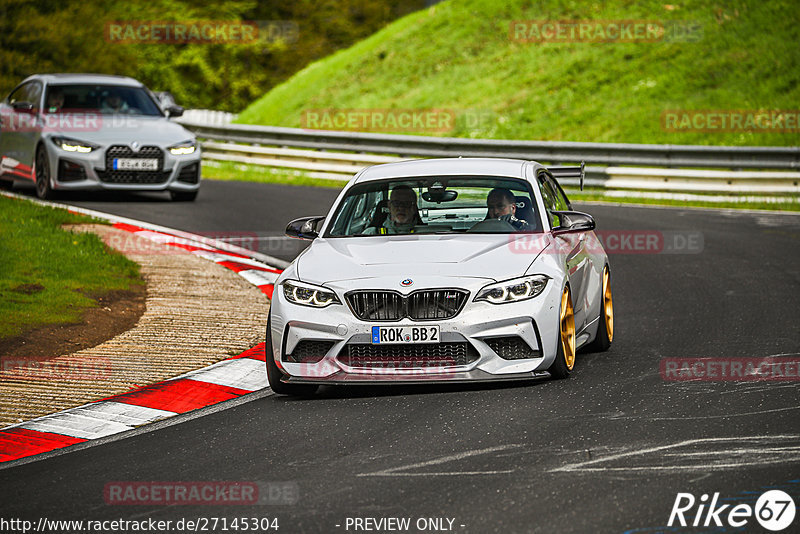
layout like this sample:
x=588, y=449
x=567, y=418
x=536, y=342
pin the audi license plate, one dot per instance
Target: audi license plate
x=133, y=164
x=388, y=335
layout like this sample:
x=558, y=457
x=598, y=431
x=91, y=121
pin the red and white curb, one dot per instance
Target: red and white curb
x=223, y=381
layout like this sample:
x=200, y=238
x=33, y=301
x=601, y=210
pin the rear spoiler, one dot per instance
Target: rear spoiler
x=569, y=172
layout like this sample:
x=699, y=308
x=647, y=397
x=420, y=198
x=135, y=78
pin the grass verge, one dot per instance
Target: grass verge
x=462, y=57
x=272, y=175
x=50, y=275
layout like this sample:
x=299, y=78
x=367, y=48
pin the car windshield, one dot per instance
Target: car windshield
x=104, y=99
x=437, y=205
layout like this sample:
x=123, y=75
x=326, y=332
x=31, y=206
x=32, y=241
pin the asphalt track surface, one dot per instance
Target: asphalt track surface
x=607, y=450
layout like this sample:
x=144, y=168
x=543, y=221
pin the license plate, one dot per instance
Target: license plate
x=131, y=164
x=394, y=335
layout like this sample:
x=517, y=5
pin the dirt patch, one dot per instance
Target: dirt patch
x=28, y=289
x=117, y=312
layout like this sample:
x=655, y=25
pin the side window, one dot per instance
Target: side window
x=561, y=199
x=550, y=197
x=34, y=95
x=18, y=95
x=30, y=92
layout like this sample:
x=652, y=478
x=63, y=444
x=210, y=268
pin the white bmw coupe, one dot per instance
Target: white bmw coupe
x=466, y=269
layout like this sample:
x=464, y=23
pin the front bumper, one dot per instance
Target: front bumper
x=73, y=171
x=534, y=321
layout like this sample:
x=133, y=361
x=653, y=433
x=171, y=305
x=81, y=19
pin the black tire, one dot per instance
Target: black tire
x=605, y=331
x=274, y=374
x=42, y=172
x=561, y=367
x=183, y=196
x=7, y=185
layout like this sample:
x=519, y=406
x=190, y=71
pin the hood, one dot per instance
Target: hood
x=488, y=257
x=108, y=130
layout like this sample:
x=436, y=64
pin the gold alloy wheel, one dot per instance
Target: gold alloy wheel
x=608, y=304
x=567, y=329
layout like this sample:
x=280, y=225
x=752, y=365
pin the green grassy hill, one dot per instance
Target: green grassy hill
x=459, y=56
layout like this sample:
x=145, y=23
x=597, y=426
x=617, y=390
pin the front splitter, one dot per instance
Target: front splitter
x=476, y=375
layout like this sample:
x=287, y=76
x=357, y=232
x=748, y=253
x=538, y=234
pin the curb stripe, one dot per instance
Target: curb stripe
x=180, y=396
x=18, y=443
x=242, y=373
x=222, y=381
x=239, y=266
x=256, y=353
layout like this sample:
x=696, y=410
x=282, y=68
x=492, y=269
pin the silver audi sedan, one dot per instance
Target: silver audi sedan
x=439, y=270
x=91, y=131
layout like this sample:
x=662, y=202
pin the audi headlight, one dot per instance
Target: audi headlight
x=513, y=290
x=183, y=149
x=73, y=145
x=308, y=294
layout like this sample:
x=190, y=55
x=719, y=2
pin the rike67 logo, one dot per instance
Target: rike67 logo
x=774, y=510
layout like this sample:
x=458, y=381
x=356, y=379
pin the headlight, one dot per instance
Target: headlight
x=309, y=295
x=182, y=149
x=73, y=145
x=513, y=290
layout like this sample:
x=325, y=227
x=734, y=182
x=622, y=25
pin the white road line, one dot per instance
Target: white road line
x=582, y=466
x=437, y=461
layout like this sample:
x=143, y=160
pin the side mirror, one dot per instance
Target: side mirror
x=573, y=221
x=174, y=111
x=304, y=227
x=25, y=107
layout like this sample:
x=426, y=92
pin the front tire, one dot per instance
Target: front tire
x=605, y=330
x=274, y=374
x=42, y=175
x=565, y=353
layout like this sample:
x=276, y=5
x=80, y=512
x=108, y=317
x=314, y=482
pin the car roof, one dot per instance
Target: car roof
x=66, y=78
x=514, y=168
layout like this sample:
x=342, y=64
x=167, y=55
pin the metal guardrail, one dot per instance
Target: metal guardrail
x=727, y=157
x=315, y=152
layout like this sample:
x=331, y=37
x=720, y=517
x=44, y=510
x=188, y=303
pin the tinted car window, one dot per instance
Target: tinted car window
x=105, y=99
x=30, y=92
x=554, y=198
x=435, y=204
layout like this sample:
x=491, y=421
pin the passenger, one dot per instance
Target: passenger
x=502, y=205
x=113, y=103
x=403, y=213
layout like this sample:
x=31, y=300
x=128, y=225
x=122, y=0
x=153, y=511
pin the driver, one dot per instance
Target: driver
x=403, y=214
x=502, y=205
x=55, y=100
